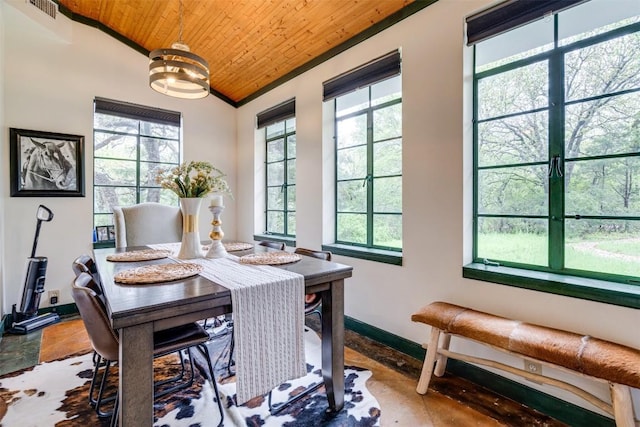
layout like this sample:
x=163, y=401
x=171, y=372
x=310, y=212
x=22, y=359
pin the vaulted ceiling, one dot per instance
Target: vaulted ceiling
x=251, y=45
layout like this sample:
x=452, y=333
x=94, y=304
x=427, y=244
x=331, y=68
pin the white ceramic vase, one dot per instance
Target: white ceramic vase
x=190, y=247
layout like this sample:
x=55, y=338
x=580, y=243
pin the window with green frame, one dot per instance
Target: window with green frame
x=557, y=144
x=368, y=134
x=281, y=178
x=131, y=142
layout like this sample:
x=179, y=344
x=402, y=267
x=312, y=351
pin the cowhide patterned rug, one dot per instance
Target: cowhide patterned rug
x=55, y=394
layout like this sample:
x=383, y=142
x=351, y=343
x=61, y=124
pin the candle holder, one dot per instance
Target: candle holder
x=216, y=250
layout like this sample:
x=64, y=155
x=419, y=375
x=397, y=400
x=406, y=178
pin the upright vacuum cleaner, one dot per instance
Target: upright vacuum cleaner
x=26, y=320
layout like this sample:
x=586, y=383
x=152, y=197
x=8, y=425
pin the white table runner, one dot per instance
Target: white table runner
x=268, y=321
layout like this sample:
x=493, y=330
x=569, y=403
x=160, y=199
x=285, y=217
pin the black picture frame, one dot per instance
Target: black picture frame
x=46, y=164
x=102, y=233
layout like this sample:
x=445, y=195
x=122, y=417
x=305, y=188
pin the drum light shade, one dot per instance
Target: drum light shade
x=179, y=73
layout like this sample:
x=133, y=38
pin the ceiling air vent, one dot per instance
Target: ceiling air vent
x=47, y=6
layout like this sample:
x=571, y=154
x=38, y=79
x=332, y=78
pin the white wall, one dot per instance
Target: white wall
x=435, y=193
x=52, y=73
x=3, y=159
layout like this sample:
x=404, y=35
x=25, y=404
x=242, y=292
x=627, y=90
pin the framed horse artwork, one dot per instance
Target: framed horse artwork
x=46, y=164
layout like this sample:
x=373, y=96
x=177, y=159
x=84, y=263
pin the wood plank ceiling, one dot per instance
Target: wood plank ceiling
x=249, y=44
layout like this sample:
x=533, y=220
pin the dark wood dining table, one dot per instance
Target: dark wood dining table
x=137, y=311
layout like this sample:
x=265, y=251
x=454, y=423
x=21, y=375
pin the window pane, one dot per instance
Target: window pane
x=160, y=150
x=290, y=125
x=518, y=240
x=352, y=197
x=291, y=172
x=387, y=230
x=275, y=222
x=352, y=163
x=275, y=173
x=514, y=140
x=351, y=102
x=275, y=198
x=291, y=223
x=275, y=150
x=520, y=43
x=602, y=127
x=352, y=131
x=275, y=130
x=103, y=219
x=107, y=197
x=386, y=90
x=606, y=67
x=159, y=130
x=387, y=194
x=513, y=191
x=352, y=228
x=291, y=146
x=595, y=17
x=387, y=157
x=115, y=123
x=515, y=91
x=114, y=172
x=291, y=199
x=608, y=187
x=387, y=122
x=150, y=195
x=148, y=173
x=115, y=146
x=605, y=246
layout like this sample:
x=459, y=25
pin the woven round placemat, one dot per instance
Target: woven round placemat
x=270, y=258
x=236, y=246
x=141, y=255
x=157, y=273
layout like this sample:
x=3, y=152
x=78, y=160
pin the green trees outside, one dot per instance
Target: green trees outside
x=127, y=154
x=567, y=145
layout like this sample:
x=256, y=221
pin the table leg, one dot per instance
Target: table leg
x=136, y=376
x=333, y=344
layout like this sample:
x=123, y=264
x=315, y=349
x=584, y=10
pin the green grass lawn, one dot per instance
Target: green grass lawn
x=532, y=249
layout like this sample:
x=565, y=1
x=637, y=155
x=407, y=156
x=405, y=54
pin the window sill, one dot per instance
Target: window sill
x=106, y=244
x=378, y=255
x=289, y=241
x=621, y=294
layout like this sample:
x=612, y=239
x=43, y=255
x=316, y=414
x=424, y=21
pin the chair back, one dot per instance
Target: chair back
x=103, y=339
x=147, y=223
x=324, y=255
x=273, y=245
x=86, y=264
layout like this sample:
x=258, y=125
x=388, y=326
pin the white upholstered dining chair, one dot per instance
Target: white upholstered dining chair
x=147, y=223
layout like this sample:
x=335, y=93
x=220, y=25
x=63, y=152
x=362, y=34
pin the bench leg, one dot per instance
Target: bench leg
x=429, y=361
x=441, y=360
x=622, y=405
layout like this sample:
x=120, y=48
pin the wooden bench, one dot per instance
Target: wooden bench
x=615, y=364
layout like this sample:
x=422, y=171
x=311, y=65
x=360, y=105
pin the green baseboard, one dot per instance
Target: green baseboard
x=566, y=412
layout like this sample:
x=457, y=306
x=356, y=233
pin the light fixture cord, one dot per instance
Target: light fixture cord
x=180, y=33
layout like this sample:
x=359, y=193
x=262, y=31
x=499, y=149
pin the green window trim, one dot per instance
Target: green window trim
x=370, y=254
x=554, y=277
x=287, y=185
x=145, y=127
x=368, y=245
x=625, y=295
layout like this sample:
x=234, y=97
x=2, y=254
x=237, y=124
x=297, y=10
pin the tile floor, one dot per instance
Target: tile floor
x=451, y=401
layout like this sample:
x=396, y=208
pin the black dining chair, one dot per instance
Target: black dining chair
x=273, y=245
x=105, y=343
x=313, y=301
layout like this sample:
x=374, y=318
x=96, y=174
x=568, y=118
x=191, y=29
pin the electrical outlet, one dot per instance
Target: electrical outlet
x=54, y=296
x=533, y=367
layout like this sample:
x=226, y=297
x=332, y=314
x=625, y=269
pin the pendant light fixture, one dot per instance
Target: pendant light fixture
x=177, y=72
